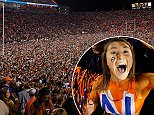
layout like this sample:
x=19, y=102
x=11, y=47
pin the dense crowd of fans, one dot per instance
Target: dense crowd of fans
x=41, y=50
x=136, y=23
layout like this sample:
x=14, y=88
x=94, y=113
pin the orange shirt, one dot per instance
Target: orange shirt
x=29, y=103
x=120, y=101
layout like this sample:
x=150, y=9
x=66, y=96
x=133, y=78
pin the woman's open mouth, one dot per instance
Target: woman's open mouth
x=121, y=68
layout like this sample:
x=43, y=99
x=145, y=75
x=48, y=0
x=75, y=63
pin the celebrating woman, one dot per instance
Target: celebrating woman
x=119, y=89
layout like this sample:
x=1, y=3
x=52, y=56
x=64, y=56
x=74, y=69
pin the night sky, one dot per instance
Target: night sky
x=102, y=5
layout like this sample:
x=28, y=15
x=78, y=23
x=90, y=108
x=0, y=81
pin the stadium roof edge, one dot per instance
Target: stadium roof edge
x=30, y=3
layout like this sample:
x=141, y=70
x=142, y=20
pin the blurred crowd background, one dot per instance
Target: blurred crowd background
x=41, y=51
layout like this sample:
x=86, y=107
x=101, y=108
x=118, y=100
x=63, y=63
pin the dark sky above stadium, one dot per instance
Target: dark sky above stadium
x=91, y=5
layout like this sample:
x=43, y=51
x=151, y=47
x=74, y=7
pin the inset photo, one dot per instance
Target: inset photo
x=115, y=76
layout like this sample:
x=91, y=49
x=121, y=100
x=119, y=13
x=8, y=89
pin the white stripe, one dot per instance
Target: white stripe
x=107, y=110
x=123, y=104
x=132, y=103
x=101, y=99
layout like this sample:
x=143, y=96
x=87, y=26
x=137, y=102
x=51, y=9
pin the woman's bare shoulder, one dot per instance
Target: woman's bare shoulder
x=145, y=80
x=144, y=83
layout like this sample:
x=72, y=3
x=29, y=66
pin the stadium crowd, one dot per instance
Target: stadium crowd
x=41, y=51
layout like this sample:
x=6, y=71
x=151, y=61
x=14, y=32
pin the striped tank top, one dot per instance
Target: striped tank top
x=124, y=102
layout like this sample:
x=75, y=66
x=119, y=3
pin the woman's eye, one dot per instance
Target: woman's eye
x=113, y=52
x=125, y=51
